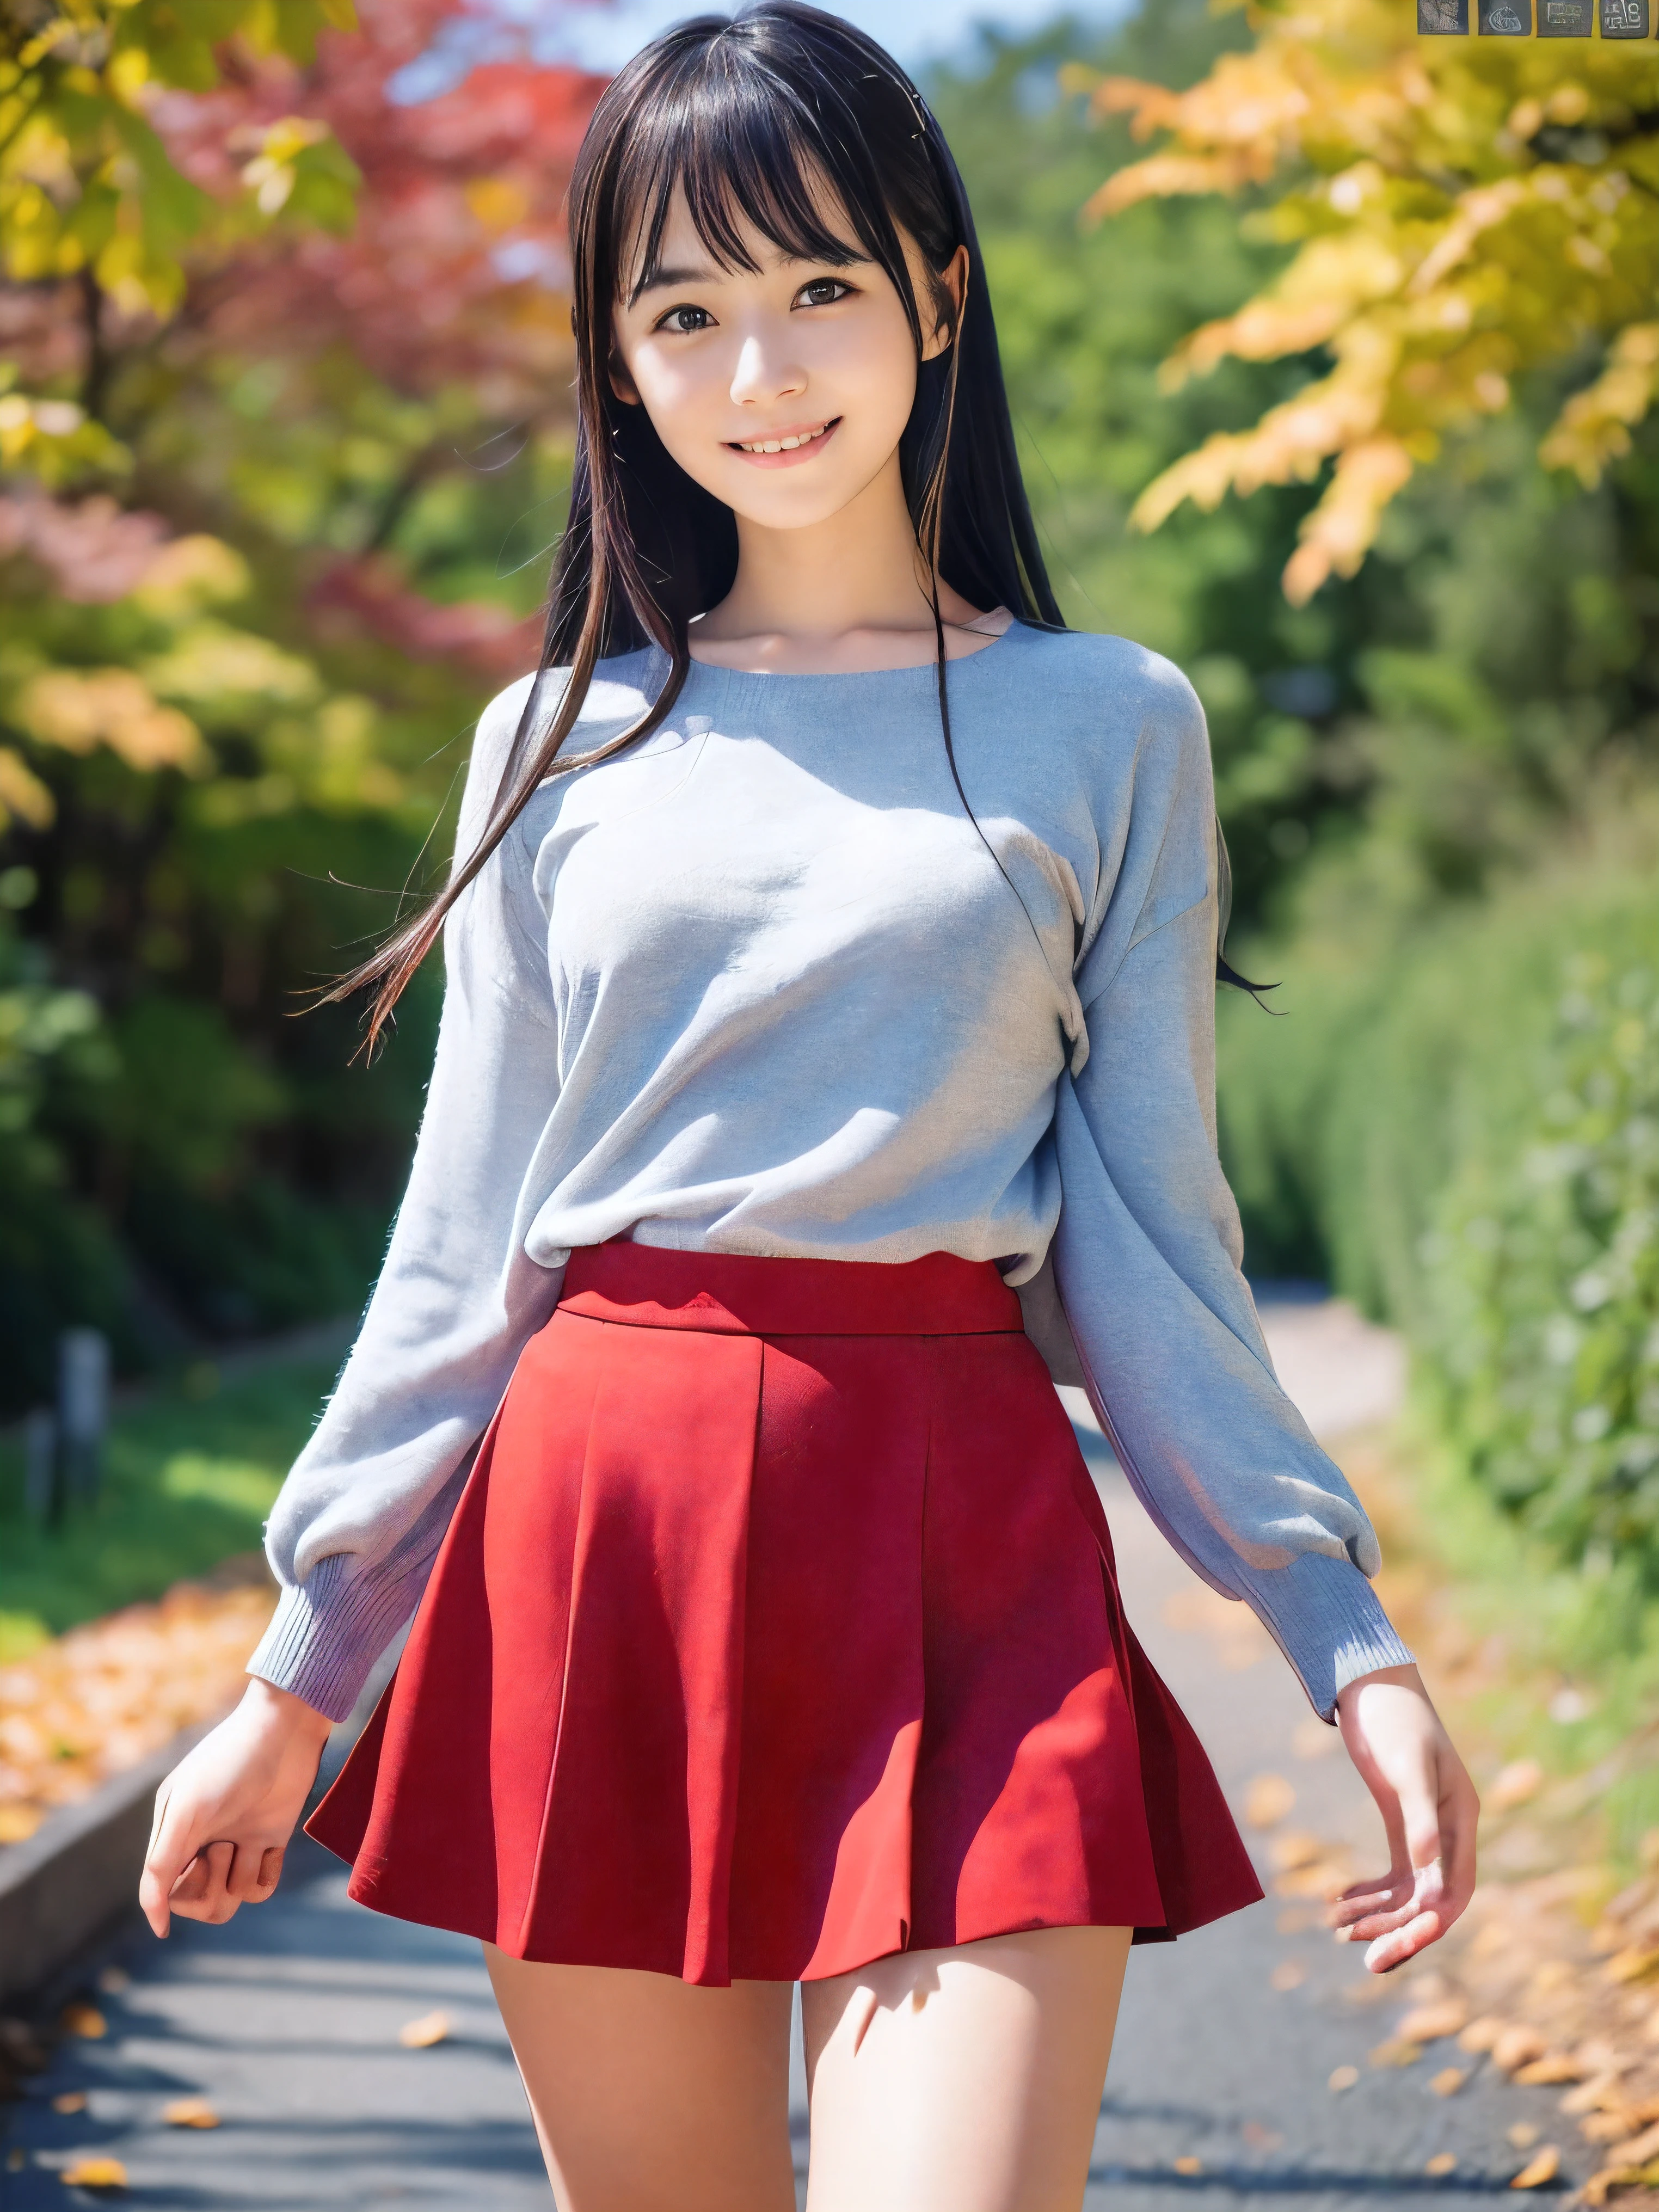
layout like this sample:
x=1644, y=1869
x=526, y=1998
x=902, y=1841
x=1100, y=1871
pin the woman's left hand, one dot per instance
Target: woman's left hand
x=1428, y=1808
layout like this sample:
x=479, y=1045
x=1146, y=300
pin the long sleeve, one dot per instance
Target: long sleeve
x=1148, y=1251
x=357, y=1524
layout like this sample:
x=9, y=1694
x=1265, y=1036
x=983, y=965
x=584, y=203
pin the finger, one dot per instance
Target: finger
x=1393, y=1950
x=205, y=1896
x=1460, y=1820
x=172, y=1849
x=249, y=1881
x=1382, y=1922
x=1362, y=1896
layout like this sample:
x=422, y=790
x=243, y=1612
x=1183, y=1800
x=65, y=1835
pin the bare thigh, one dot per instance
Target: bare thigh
x=650, y=2095
x=962, y=2081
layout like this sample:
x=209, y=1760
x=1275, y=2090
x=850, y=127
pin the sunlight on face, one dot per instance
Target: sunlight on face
x=813, y=362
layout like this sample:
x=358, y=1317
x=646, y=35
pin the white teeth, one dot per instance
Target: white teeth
x=782, y=444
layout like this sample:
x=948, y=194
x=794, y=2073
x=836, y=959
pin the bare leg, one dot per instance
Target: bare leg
x=962, y=2081
x=650, y=2095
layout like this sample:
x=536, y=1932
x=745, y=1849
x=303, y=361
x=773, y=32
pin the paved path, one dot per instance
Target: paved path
x=287, y=2019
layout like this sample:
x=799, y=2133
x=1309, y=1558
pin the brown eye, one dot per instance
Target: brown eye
x=825, y=292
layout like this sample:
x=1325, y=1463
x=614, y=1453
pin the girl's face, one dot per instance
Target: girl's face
x=783, y=391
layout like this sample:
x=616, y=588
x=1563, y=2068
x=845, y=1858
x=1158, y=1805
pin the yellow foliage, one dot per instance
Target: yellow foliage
x=23, y=797
x=1462, y=209
x=78, y=709
x=188, y=572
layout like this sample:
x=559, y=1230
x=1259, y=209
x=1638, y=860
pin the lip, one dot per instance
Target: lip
x=796, y=454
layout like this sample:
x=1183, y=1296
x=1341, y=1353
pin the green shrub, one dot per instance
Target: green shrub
x=1542, y=1283
x=1457, y=1124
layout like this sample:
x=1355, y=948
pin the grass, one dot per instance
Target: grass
x=1504, y=1629
x=189, y=1475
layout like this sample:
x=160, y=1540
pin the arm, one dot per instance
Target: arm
x=1148, y=1259
x=356, y=1526
x=1148, y=1252
x=355, y=1530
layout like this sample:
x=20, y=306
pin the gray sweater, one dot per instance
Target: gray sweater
x=758, y=986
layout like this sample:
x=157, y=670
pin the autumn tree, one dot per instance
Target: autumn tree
x=1460, y=211
x=286, y=424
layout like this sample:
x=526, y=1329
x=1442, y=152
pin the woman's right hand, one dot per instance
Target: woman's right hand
x=224, y=1814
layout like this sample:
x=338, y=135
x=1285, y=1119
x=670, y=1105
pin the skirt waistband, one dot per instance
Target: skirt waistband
x=734, y=1294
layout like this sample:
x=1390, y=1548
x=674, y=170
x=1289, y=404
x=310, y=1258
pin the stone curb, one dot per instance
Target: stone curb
x=79, y=1870
x=78, y=1873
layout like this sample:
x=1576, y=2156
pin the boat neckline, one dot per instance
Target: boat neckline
x=775, y=676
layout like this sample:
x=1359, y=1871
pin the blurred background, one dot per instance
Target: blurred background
x=1332, y=354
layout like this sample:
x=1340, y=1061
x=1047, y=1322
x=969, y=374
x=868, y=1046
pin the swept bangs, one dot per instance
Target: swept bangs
x=750, y=154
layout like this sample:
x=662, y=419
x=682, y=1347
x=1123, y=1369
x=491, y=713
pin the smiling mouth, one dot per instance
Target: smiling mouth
x=791, y=442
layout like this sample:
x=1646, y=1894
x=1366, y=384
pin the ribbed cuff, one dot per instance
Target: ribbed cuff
x=325, y=1635
x=1328, y=1622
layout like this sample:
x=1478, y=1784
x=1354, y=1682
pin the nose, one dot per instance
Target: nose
x=764, y=374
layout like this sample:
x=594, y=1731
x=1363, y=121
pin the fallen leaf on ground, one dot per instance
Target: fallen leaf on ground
x=190, y=2112
x=1427, y=2023
x=1396, y=2052
x=1261, y=2138
x=1443, y=2161
x=1516, y=2047
x=1523, y=2135
x=1596, y=2189
x=1449, y=2081
x=1635, y=1963
x=1268, y=1800
x=1312, y=1739
x=1343, y=2078
x=1296, y=1920
x=83, y=2020
x=1295, y=1849
x=1289, y=1974
x=1539, y=2170
x=1188, y=2164
x=421, y=2034
x=94, y=2173
x=1609, y=2127
x=1481, y=2034
x=1324, y=1877
x=1591, y=2096
x=1548, y=2072
x=19, y=1822
x=1514, y=1785
x=70, y=2101
x=1637, y=2150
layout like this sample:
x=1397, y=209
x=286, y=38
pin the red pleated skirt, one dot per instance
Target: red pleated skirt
x=777, y=1630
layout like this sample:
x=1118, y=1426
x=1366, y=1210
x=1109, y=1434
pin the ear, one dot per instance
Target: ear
x=954, y=277
x=621, y=382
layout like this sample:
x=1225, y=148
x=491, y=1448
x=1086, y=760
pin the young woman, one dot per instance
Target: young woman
x=826, y=1063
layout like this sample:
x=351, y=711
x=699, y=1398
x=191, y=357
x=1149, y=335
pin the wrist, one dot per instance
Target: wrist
x=281, y=1710
x=1400, y=1678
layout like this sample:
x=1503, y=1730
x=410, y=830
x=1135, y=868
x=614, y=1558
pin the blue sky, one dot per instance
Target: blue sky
x=913, y=30
x=602, y=34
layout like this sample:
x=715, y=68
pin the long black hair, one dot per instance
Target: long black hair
x=751, y=118
x=789, y=122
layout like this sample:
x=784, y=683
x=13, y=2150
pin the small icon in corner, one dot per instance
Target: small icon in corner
x=1625, y=19
x=1443, y=19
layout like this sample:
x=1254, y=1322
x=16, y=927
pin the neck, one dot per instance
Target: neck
x=825, y=587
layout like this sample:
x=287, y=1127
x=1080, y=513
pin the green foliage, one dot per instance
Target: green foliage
x=1461, y=1116
x=188, y=1477
x=1418, y=731
x=1542, y=1278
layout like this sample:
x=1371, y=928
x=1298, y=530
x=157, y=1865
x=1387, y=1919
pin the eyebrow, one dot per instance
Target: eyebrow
x=661, y=279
